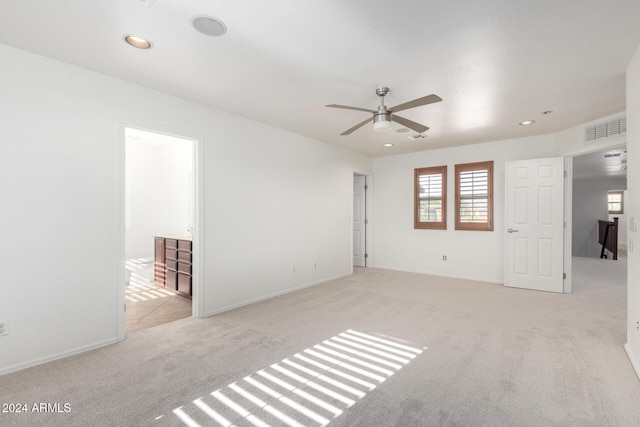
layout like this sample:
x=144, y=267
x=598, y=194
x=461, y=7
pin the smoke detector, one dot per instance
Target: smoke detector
x=208, y=25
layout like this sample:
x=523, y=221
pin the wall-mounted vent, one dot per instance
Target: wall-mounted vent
x=605, y=130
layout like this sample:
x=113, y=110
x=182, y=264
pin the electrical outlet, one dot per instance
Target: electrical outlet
x=444, y=257
x=4, y=328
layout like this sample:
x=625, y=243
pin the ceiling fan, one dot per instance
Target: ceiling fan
x=383, y=116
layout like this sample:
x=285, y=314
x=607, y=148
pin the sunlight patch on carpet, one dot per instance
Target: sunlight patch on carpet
x=309, y=388
x=143, y=292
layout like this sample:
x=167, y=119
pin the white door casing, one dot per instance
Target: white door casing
x=359, y=223
x=534, y=222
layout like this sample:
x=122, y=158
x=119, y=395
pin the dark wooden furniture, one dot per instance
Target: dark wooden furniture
x=608, y=237
x=173, y=264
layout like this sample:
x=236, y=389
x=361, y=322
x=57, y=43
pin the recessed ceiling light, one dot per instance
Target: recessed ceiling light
x=527, y=122
x=388, y=144
x=137, y=41
x=209, y=25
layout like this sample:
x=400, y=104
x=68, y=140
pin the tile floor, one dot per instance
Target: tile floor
x=147, y=304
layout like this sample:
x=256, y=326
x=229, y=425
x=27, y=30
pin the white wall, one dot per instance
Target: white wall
x=143, y=201
x=633, y=210
x=590, y=205
x=283, y=206
x=622, y=219
x=159, y=191
x=477, y=255
x=270, y=202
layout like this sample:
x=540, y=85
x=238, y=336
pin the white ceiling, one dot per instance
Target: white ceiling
x=494, y=62
x=601, y=164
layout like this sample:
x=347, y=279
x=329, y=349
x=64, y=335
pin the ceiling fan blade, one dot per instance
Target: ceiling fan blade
x=410, y=124
x=429, y=99
x=356, y=127
x=346, y=107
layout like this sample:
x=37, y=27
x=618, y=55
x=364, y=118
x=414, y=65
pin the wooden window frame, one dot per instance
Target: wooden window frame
x=433, y=225
x=616, y=212
x=475, y=226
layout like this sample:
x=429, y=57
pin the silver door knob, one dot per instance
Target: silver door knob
x=511, y=230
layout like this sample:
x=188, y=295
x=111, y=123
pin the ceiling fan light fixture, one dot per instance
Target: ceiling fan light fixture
x=382, y=123
x=382, y=126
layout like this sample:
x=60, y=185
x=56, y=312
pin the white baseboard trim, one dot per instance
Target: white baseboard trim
x=275, y=294
x=473, y=279
x=51, y=358
x=632, y=359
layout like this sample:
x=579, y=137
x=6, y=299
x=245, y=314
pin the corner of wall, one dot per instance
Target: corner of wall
x=633, y=210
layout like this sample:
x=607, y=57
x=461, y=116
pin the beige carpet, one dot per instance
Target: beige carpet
x=473, y=354
x=150, y=305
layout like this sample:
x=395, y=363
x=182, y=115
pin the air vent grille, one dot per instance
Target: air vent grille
x=605, y=130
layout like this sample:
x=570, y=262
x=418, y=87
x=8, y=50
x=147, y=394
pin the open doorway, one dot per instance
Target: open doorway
x=360, y=188
x=595, y=175
x=159, y=204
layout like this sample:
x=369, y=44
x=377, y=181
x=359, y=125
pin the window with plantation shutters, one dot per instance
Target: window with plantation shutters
x=474, y=196
x=430, y=198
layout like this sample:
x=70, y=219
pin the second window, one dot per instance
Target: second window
x=474, y=196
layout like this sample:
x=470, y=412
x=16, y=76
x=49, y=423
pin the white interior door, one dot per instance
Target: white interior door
x=359, y=221
x=534, y=221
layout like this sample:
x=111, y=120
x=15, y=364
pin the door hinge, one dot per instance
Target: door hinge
x=366, y=221
x=366, y=187
x=366, y=255
x=564, y=276
x=565, y=174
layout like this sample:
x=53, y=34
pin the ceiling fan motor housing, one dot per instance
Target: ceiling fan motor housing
x=382, y=121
